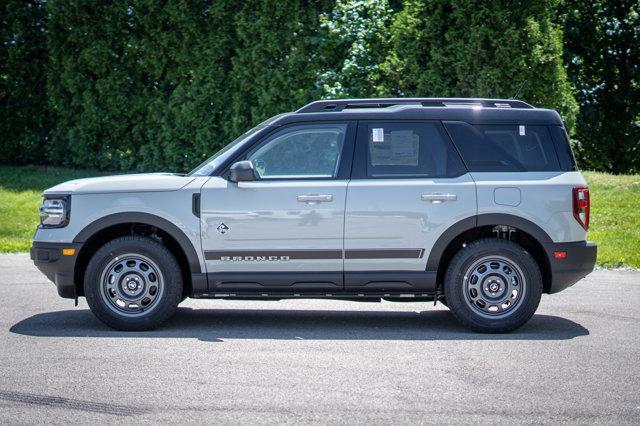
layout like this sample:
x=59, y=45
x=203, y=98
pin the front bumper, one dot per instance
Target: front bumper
x=60, y=269
x=579, y=262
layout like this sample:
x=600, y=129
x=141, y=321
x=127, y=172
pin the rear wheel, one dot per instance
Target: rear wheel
x=493, y=285
x=133, y=283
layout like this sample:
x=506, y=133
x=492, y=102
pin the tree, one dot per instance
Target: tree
x=275, y=62
x=25, y=122
x=474, y=48
x=602, y=52
x=356, y=40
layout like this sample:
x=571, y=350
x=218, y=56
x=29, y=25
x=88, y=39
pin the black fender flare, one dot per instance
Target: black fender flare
x=146, y=219
x=469, y=223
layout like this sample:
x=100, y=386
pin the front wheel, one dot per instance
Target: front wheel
x=493, y=286
x=133, y=283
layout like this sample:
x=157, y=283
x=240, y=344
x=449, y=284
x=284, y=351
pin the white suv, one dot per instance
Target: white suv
x=473, y=202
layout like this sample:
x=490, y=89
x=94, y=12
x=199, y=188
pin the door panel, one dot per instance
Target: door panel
x=283, y=231
x=261, y=226
x=391, y=225
x=409, y=185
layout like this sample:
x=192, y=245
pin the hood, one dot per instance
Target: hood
x=143, y=182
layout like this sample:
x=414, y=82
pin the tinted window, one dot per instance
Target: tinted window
x=563, y=149
x=504, y=148
x=306, y=151
x=410, y=149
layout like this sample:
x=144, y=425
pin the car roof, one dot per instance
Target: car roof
x=470, y=110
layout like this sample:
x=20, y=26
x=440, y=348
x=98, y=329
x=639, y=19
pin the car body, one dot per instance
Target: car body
x=363, y=199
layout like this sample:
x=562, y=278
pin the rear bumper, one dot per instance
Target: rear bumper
x=59, y=269
x=579, y=262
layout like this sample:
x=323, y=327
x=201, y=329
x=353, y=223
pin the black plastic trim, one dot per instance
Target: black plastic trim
x=195, y=205
x=482, y=220
x=147, y=219
x=384, y=253
x=272, y=255
x=579, y=262
x=446, y=238
x=284, y=255
x=387, y=281
x=364, y=282
x=57, y=268
x=275, y=281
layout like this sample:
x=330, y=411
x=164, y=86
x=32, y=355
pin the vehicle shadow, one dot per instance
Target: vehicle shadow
x=216, y=325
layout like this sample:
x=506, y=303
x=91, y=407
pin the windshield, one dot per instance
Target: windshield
x=211, y=163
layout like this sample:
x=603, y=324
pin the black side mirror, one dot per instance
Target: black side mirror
x=242, y=171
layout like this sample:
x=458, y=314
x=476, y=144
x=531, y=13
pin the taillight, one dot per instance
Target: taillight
x=581, y=206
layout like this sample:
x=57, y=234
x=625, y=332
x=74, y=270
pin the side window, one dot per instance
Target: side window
x=563, y=148
x=410, y=149
x=304, y=151
x=504, y=147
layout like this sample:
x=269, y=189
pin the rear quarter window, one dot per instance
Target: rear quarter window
x=563, y=148
x=504, y=147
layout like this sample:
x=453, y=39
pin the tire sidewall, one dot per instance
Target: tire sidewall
x=454, y=285
x=172, y=280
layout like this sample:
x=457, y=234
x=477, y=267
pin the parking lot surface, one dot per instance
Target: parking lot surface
x=315, y=361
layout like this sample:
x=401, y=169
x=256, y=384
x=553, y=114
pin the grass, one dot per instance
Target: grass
x=20, y=195
x=615, y=212
x=615, y=218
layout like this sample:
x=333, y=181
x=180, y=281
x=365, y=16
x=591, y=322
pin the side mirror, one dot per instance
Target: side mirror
x=242, y=171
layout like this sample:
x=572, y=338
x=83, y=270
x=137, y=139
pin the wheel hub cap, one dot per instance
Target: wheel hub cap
x=494, y=286
x=131, y=284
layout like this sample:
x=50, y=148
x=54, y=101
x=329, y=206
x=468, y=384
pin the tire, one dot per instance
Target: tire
x=133, y=283
x=480, y=283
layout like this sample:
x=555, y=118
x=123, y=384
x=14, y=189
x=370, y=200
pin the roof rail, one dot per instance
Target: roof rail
x=331, y=105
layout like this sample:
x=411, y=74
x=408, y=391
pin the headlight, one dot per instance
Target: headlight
x=54, y=212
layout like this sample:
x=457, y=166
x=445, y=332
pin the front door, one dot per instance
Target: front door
x=408, y=186
x=284, y=231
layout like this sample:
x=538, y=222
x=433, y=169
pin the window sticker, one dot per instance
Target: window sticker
x=378, y=135
x=522, y=132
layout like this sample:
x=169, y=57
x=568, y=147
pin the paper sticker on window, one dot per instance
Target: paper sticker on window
x=522, y=131
x=378, y=135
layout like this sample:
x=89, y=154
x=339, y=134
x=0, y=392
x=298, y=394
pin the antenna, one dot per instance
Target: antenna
x=519, y=89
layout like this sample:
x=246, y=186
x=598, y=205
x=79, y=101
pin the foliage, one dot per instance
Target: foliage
x=615, y=221
x=602, y=52
x=356, y=40
x=147, y=85
x=473, y=48
x=24, y=122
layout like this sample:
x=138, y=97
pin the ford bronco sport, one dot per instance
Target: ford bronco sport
x=476, y=203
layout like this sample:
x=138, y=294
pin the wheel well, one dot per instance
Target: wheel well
x=109, y=233
x=525, y=240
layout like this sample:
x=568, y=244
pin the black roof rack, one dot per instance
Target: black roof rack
x=334, y=105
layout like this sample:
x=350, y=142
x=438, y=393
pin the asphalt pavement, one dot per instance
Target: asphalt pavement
x=315, y=361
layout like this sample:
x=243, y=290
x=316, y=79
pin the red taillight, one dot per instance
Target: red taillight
x=581, y=206
x=560, y=255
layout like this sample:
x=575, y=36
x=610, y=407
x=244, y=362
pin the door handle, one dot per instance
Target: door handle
x=315, y=199
x=438, y=198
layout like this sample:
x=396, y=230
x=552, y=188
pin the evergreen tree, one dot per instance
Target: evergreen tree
x=275, y=63
x=473, y=48
x=24, y=126
x=602, y=52
x=356, y=42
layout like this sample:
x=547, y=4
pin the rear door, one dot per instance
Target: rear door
x=408, y=186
